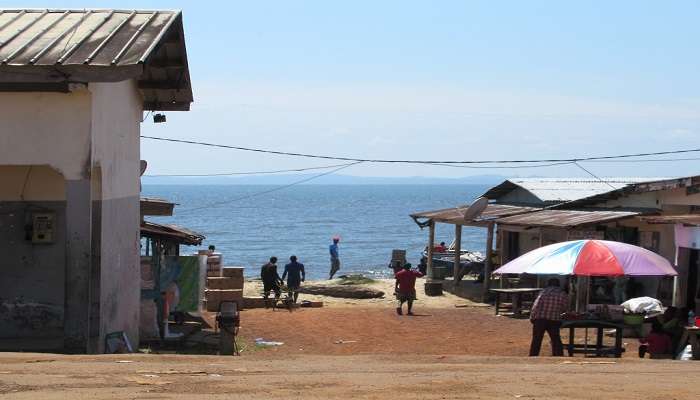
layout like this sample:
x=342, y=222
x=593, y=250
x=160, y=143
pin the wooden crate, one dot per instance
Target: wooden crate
x=232, y=272
x=222, y=283
x=219, y=295
x=398, y=255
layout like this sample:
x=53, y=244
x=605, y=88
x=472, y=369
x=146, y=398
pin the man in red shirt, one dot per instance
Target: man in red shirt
x=406, y=287
x=546, y=317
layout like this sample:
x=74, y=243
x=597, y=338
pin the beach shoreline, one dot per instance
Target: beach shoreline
x=253, y=288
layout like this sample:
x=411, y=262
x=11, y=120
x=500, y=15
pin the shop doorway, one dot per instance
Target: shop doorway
x=692, y=291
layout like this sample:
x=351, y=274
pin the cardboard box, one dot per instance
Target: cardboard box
x=211, y=306
x=222, y=282
x=218, y=296
x=232, y=272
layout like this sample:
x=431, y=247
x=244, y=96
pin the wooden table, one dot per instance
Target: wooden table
x=598, y=349
x=690, y=334
x=516, y=295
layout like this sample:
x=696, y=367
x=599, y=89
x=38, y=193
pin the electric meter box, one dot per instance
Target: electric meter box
x=42, y=228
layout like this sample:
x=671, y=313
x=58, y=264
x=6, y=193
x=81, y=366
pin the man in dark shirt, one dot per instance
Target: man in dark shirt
x=546, y=317
x=294, y=271
x=271, y=279
x=406, y=287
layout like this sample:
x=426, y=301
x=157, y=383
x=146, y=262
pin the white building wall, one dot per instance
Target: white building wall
x=46, y=129
x=90, y=137
x=44, y=156
x=116, y=119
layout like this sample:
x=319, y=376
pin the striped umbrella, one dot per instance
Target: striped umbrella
x=590, y=258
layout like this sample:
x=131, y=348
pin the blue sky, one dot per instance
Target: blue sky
x=444, y=79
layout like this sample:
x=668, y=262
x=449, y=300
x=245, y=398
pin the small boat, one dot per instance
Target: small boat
x=470, y=262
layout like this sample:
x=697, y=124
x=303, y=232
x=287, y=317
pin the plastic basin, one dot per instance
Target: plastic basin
x=634, y=319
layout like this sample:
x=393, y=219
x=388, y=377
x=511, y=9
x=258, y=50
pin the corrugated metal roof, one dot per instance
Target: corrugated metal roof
x=558, y=190
x=171, y=232
x=649, y=185
x=50, y=46
x=565, y=218
x=456, y=215
x=156, y=206
x=688, y=219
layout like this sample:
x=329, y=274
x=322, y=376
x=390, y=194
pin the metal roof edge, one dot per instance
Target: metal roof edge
x=161, y=34
x=139, y=10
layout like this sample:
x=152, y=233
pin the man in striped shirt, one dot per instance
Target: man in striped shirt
x=546, y=317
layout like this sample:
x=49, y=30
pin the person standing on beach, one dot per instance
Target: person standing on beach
x=294, y=271
x=546, y=317
x=406, y=288
x=335, y=260
x=271, y=279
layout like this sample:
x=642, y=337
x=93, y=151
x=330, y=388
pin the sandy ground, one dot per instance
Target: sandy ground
x=253, y=288
x=33, y=376
x=357, y=349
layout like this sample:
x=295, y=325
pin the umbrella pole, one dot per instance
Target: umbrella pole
x=588, y=291
x=588, y=300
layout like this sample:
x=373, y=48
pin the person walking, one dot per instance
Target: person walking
x=406, y=288
x=294, y=271
x=271, y=279
x=335, y=260
x=546, y=317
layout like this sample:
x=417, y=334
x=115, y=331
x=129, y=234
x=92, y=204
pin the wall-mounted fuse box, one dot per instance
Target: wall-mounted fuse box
x=42, y=228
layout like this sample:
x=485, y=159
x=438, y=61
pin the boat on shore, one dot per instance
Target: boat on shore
x=470, y=262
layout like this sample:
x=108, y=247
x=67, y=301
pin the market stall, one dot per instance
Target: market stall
x=590, y=258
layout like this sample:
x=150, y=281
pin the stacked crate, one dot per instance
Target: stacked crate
x=227, y=287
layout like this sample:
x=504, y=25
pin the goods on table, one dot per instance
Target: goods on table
x=643, y=305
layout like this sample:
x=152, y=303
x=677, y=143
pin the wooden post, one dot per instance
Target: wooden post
x=539, y=280
x=431, y=244
x=487, y=263
x=458, y=253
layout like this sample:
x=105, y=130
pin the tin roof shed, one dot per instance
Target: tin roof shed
x=49, y=49
x=549, y=191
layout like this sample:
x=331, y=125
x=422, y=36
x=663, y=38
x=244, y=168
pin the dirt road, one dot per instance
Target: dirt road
x=357, y=350
x=358, y=330
x=35, y=376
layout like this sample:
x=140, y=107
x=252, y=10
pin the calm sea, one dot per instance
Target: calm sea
x=371, y=220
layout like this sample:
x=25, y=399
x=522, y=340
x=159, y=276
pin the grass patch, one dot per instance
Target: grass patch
x=355, y=280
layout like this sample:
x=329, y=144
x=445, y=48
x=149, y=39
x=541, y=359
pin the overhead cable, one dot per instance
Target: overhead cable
x=218, y=203
x=595, y=176
x=279, y=171
x=374, y=160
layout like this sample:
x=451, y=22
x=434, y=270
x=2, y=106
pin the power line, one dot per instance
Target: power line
x=646, y=160
x=280, y=171
x=502, y=167
x=218, y=203
x=595, y=176
x=371, y=160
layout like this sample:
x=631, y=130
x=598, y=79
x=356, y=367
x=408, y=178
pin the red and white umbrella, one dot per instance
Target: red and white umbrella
x=590, y=258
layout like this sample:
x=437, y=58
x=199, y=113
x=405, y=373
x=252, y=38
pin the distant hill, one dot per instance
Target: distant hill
x=324, y=180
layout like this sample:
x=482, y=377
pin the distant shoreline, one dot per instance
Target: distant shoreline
x=325, y=180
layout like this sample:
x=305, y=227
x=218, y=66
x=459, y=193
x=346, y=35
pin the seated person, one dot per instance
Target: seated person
x=441, y=248
x=657, y=343
x=672, y=323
